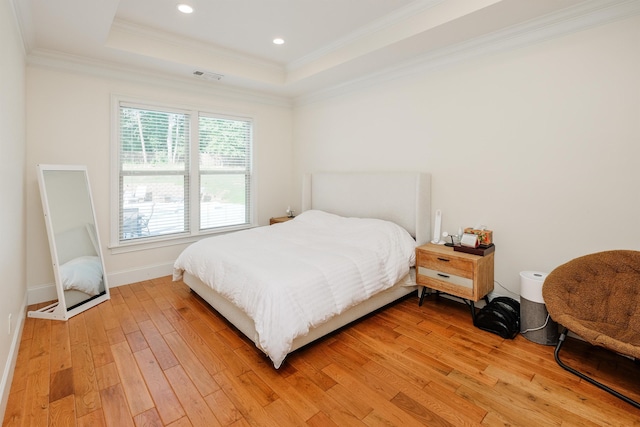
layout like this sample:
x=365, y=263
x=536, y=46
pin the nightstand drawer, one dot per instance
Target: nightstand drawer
x=446, y=277
x=446, y=264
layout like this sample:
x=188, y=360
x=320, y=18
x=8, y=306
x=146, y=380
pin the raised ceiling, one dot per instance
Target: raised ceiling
x=327, y=42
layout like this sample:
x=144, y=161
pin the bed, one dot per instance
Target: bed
x=392, y=206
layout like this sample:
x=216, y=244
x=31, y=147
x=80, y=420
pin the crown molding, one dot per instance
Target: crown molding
x=22, y=16
x=571, y=20
x=104, y=69
x=372, y=28
x=193, y=44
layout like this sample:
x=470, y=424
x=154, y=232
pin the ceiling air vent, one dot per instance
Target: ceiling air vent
x=207, y=75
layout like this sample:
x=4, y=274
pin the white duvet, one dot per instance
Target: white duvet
x=296, y=275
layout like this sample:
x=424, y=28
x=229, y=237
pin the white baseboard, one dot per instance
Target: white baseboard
x=149, y=272
x=47, y=292
x=10, y=366
x=41, y=293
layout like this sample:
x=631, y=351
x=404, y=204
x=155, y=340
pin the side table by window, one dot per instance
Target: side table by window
x=279, y=219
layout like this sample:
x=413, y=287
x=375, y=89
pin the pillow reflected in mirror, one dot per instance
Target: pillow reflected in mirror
x=82, y=274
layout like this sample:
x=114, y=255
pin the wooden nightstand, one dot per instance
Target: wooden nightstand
x=280, y=219
x=463, y=275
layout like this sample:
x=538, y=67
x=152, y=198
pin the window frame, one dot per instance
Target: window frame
x=194, y=233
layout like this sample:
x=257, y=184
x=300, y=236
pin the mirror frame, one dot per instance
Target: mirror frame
x=59, y=309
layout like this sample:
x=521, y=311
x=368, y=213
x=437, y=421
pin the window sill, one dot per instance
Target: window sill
x=163, y=242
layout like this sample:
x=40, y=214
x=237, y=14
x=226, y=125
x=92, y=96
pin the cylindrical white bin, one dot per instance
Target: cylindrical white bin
x=535, y=323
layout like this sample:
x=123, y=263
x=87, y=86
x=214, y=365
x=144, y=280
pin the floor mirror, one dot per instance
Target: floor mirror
x=76, y=253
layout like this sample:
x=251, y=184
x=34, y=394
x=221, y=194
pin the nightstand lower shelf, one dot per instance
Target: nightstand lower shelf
x=470, y=303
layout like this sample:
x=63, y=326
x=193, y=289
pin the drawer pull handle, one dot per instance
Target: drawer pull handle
x=443, y=259
x=443, y=275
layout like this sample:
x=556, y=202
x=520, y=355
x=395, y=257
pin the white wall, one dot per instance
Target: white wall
x=541, y=144
x=69, y=122
x=12, y=213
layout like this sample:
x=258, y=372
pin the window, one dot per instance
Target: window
x=224, y=167
x=181, y=173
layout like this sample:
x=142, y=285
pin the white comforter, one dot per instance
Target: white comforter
x=296, y=275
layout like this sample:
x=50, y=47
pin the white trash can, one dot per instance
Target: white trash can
x=535, y=323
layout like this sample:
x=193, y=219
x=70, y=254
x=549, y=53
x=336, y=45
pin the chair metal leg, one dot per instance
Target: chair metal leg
x=563, y=336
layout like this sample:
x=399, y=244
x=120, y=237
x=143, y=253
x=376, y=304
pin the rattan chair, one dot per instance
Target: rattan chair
x=597, y=297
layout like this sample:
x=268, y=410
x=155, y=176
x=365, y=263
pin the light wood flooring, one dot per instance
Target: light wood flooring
x=156, y=354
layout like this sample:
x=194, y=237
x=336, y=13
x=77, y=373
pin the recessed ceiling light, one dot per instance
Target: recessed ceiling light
x=185, y=8
x=278, y=41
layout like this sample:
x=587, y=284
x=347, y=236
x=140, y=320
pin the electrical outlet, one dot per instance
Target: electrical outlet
x=9, y=322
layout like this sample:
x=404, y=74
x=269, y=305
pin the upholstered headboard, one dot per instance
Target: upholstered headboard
x=400, y=197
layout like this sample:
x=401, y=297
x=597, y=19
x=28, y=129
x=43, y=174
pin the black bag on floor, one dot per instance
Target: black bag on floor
x=501, y=317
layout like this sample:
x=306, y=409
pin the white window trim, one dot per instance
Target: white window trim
x=115, y=245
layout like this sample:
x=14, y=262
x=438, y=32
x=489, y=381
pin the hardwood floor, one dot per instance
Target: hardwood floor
x=156, y=354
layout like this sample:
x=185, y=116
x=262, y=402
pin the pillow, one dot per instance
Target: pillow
x=318, y=217
x=82, y=274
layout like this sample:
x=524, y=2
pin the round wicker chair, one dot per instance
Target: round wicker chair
x=597, y=297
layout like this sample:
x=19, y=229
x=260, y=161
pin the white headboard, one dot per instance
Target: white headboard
x=401, y=197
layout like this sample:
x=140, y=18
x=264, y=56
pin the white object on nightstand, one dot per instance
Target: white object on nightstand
x=436, y=228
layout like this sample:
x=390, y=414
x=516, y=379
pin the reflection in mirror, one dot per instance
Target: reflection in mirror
x=76, y=254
